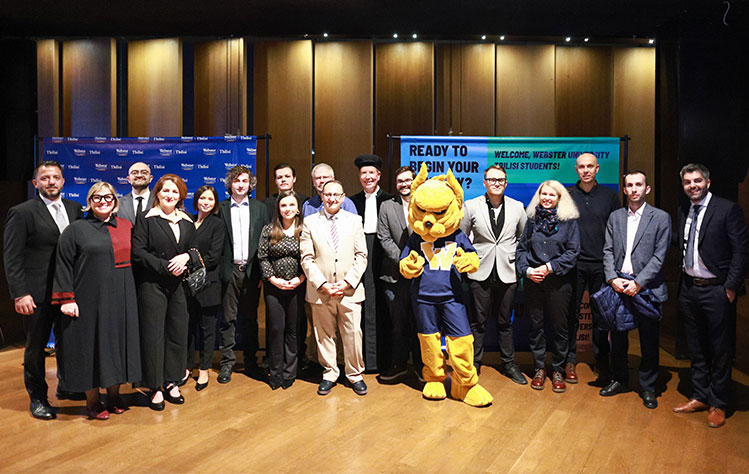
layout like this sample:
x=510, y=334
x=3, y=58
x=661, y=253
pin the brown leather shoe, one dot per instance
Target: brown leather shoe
x=557, y=383
x=716, y=417
x=538, y=379
x=690, y=407
x=570, y=375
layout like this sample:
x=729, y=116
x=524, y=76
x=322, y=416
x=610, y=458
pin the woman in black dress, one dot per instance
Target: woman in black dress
x=161, y=242
x=545, y=255
x=98, y=344
x=278, y=253
x=203, y=307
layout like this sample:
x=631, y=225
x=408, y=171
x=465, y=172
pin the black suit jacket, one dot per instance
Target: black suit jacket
x=209, y=240
x=258, y=219
x=154, y=245
x=722, y=240
x=30, y=243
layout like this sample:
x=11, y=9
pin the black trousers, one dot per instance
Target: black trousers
x=588, y=275
x=369, y=309
x=649, y=331
x=493, y=298
x=706, y=315
x=241, y=299
x=283, y=308
x=37, y=327
x=163, y=321
x=549, y=301
x=404, y=341
x=202, y=328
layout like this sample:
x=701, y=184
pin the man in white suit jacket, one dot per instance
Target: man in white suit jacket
x=334, y=256
x=496, y=222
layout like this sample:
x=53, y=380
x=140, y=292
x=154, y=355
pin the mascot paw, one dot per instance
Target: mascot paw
x=434, y=391
x=466, y=262
x=412, y=266
x=475, y=395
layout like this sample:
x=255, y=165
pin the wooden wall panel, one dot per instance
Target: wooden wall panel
x=155, y=87
x=404, y=95
x=525, y=90
x=283, y=107
x=634, y=106
x=89, y=86
x=48, y=88
x=343, y=107
x=447, y=87
x=220, y=85
x=583, y=90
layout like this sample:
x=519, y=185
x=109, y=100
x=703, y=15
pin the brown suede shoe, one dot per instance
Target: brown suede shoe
x=538, y=379
x=570, y=375
x=690, y=407
x=557, y=382
x=716, y=417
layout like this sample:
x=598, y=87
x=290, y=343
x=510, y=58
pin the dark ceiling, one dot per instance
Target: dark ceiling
x=437, y=19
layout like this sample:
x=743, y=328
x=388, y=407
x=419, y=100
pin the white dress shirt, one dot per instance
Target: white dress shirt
x=145, y=197
x=240, y=230
x=633, y=221
x=370, y=212
x=699, y=270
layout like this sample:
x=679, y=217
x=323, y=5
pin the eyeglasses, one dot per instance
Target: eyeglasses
x=332, y=195
x=496, y=180
x=321, y=177
x=404, y=181
x=103, y=197
x=140, y=172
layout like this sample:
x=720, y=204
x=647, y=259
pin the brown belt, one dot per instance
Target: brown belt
x=702, y=281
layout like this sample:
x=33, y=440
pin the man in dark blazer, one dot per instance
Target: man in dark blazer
x=140, y=199
x=393, y=232
x=637, y=239
x=714, y=261
x=240, y=271
x=285, y=177
x=368, y=202
x=30, y=241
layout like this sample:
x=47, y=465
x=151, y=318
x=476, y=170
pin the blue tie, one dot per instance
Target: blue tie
x=689, y=256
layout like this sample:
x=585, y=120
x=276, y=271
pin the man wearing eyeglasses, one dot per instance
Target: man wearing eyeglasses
x=334, y=256
x=139, y=200
x=321, y=174
x=495, y=223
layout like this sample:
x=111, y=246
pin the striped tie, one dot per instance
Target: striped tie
x=334, y=233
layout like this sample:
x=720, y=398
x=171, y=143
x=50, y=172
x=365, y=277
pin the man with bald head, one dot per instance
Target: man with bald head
x=139, y=199
x=595, y=203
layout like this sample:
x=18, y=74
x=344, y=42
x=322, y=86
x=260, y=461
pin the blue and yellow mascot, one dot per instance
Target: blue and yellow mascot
x=436, y=254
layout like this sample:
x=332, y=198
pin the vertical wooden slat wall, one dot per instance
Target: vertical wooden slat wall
x=447, y=87
x=220, y=79
x=525, y=90
x=155, y=87
x=404, y=96
x=283, y=107
x=48, y=88
x=89, y=84
x=343, y=107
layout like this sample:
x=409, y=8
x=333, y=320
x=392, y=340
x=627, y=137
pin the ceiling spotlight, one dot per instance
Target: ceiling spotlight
x=306, y=35
x=414, y=36
x=483, y=37
x=395, y=35
x=586, y=39
x=568, y=39
x=324, y=35
x=502, y=37
x=651, y=41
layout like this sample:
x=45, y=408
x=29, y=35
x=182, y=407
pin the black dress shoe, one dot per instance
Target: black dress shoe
x=200, y=386
x=155, y=406
x=513, y=372
x=173, y=400
x=325, y=387
x=42, y=410
x=286, y=383
x=612, y=389
x=649, y=400
x=274, y=383
x=224, y=374
x=65, y=395
x=184, y=380
x=393, y=373
x=360, y=388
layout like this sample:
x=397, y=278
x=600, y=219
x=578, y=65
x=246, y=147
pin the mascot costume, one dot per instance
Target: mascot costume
x=436, y=254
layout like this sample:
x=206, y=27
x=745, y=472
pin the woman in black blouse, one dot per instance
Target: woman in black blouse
x=203, y=307
x=546, y=253
x=278, y=252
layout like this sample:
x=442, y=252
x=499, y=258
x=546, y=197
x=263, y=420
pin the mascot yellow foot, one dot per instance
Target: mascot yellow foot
x=464, y=378
x=434, y=366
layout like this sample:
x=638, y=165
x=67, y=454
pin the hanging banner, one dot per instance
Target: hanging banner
x=197, y=160
x=529, y=161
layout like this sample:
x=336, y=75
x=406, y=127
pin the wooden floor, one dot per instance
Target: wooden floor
x=245, y=427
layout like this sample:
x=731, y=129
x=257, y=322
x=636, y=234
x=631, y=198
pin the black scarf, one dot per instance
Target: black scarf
x=546, y=220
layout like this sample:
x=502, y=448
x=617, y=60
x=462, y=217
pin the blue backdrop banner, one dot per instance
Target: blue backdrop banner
x=197, y=160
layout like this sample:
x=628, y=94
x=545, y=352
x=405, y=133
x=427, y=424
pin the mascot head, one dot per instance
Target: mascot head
x=436, y=206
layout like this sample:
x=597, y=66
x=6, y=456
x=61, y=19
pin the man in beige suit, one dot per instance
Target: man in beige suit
x=334, y=257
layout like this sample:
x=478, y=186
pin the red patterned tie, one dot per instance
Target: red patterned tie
x=334, y=233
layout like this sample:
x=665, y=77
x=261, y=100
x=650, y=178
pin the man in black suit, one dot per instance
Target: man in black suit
x=367, y=204
x=713, y=267
x=285, y=176
x=240, y=271
x=30, y=240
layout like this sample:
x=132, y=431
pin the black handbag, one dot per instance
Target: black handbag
x=197, y=280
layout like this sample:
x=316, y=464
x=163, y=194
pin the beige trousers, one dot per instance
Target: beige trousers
x=347, y=315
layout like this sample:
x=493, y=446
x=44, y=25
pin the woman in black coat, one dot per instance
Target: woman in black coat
x=203, y=307
x=545, y=255
x=161, y=242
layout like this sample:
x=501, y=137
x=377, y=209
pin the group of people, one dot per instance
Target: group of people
x=112, y=284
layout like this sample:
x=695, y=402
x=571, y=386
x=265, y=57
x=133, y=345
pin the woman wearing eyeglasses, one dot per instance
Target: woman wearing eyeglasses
x=98, y=344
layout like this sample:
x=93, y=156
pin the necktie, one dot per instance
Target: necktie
x=689, y=255
x=140, y=204
x=60, y=220
x=334, y=233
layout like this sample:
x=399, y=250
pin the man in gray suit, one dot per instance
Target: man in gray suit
x=496, y=222
x=637, y=239
x=139, y=199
